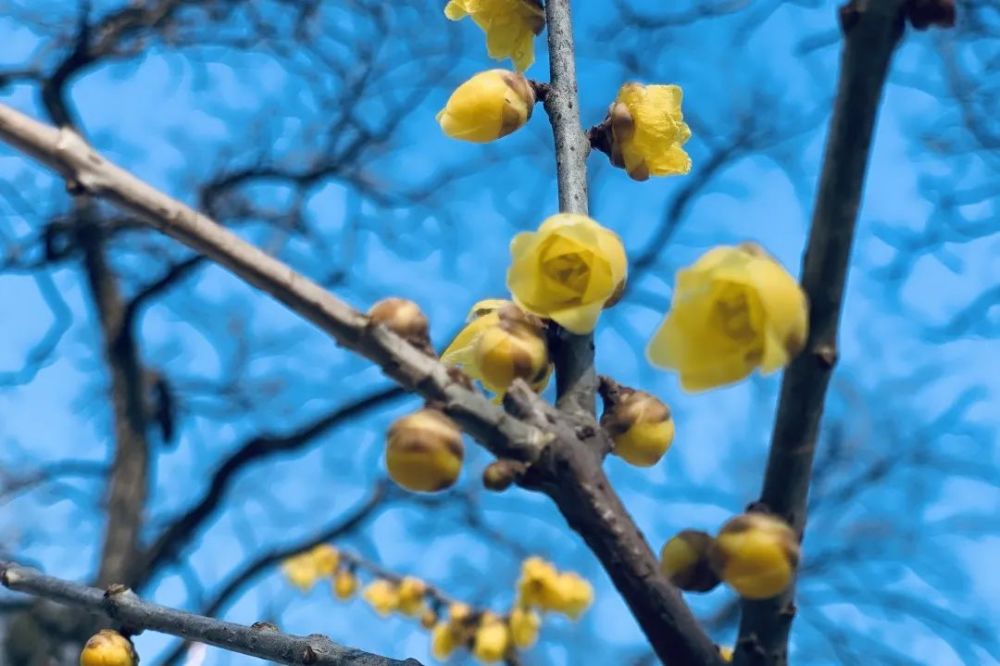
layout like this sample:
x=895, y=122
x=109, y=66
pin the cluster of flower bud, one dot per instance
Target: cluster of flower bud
x=754, y=553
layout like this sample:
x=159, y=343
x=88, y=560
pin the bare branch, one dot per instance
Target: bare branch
x=132, y=612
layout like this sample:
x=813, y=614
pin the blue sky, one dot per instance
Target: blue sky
x=173, y=117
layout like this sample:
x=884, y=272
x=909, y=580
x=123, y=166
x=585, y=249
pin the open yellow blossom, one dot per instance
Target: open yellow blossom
x=108, y=648
x=491, y=640
x=648, y=131
x=543, y=587
x=567, y=271
x=345, y=584
x=488, y=106
x=572, y=596
x=304, y=569
x=734, y=310
x=524, y=625
x=510, y=26
x=383, y=595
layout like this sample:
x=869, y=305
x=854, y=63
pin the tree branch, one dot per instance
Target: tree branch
x=87, y=171
x=872, y=31
x=137, y=615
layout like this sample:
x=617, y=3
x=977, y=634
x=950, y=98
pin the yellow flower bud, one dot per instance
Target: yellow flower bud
x=325, y=558
x=756, y=555
x=491, y=640
x=383, y=595
x=542, y=586
x=459, y=612
x=490, y=105
x=108, y=648
x=444, y=641
x=567, y=271
x=537, y=579
x=684, y=560
x=345, y=584
x=499, y=475
x=501, y=343
x=402, y=317
x=424, y=451
x=648, y=130
x=510, y=26
x=734, y=310
x=572, y=596
x=725, y=652
x=301, y=571
x=411, y=596
x=524, y=625
x=428, y=619
x=639, y=424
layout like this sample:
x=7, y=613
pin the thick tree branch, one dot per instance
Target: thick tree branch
x=85, y=170
x=130, y=611
x=872, y=31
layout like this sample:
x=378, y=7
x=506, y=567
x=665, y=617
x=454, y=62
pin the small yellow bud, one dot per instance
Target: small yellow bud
x=513, y=349
x=402, y=317
x=444, y=640
x=459, y=612
x=424, y=451
x=428, y=618
x=383, y=596
x=640, y=425
x=648, y=131
x=488, y=106
x=524, y=625
x=108, y=648
x=326, y=558
x=510, y=26
x=756, y=555
x=411, y=596
x=725, y=652
x=345, y=584
x=684, y=560
x=491, y=640
x=567, y=270
x=499, y=475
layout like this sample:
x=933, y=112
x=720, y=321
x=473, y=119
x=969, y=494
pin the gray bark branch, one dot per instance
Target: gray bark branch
x=130, y=611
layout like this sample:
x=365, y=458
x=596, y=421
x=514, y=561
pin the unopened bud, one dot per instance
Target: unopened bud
x=424, y=451
x=108, y=648
x=490, y=105
x=345, y=584
x=640, y=424
x=684, y=560
x=491, y=640
x=515, y=348
x=411, y=596
x=499, y=475
x=756, y=554
x=404, y=318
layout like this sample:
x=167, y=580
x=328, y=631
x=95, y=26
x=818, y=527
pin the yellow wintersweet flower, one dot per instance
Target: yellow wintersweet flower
x=108, y=648
x=304, y=569
x=726, y=653
x=444, y=640
x=524, y=625
x=756, y=555
x=537, y=579
x=345, y=584
x=542, y=586
x=567, y=271
x=734, y=310
x=325, y=558
x=411, y=596
x=491, y=640
x=488, y=106
x=500, y=344
x=572, y=595
x=648, y=130
x=383, y=596
x=510, y=26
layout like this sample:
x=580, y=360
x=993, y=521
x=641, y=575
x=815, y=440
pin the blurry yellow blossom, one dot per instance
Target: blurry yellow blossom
x=304, y=569
x=544, y=587
x=510, y=26
x=726, y=653
x=108, y=648
x=411, y=596
x=524, y=625
x=734, y=310
x=500, y=345
x=648, y=131
x=345, y=584
x=424, y=451
x=756, y=554
x=444, y=640
x=490, y=105
x=491, y=640
x=383, y=595
x=567, y=271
